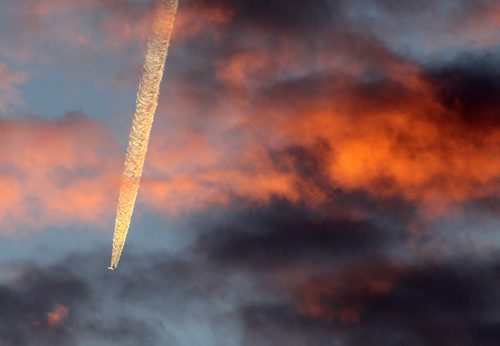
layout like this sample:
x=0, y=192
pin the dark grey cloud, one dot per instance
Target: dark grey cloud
x=430, y=305
x=279, y=17
x=25, y=303
x=154, y=300
x=360, y=299
x=470, y=87
x=343, y=281
x=452, y=304
x=284, y=235
x=264, y=275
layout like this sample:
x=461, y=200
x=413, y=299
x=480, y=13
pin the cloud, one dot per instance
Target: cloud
x=282, y=16
x=10, y=97
x=427, y=306
x=55, y=172
x=56, y=316
x=30, y=299
x=469, y=87
x=79, y=29
x=265, y=274
x=156, y=300
x=322, y=278
x=283, y=234
x=384, y=125
x=442, y=300
x=236, y=113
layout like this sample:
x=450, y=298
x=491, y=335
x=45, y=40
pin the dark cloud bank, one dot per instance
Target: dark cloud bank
x=263, y=275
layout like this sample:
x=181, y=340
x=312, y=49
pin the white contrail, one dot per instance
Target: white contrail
x=147, y=100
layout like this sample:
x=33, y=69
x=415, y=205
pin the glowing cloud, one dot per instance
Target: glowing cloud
x=147, y=101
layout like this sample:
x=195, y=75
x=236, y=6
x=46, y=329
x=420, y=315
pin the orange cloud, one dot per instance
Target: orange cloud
x=57, y=316
x=55, y=172
x=199, y=174
x=415, y=149
x=387, y=134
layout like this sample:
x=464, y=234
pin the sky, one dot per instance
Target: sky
x=322, y=172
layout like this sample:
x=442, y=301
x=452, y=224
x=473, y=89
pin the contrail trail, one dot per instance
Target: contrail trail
x=147, y=101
